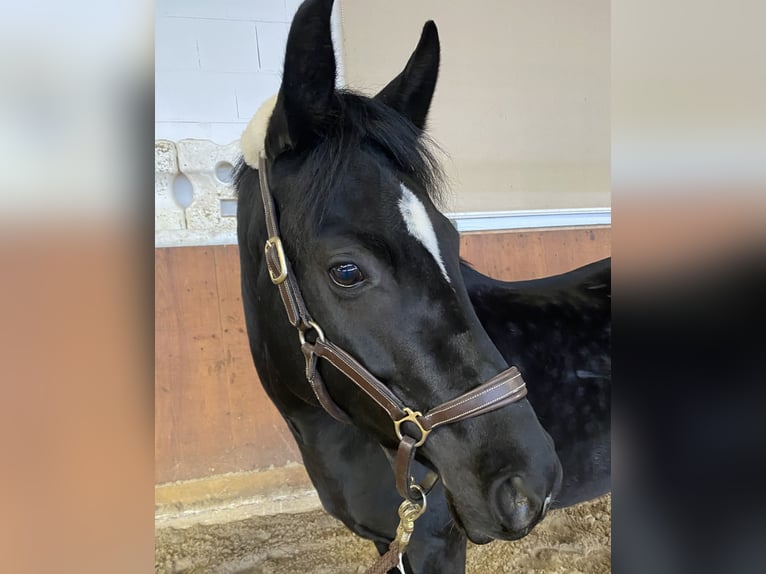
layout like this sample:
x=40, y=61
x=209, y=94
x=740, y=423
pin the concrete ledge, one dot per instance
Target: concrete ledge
x=237, y=496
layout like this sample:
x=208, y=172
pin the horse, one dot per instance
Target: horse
x=352, y=182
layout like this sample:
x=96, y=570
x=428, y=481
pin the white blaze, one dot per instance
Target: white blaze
x=420, y=227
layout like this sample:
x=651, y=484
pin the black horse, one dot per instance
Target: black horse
x=354, y=182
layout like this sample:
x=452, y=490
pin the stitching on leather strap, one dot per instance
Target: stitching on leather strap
x=446, y=407
x=480, y=407
x=332, y=354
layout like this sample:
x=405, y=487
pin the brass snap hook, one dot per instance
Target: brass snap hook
x=409, y=512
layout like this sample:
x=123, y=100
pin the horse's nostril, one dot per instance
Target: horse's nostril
x=516, y=508
x=518, y=484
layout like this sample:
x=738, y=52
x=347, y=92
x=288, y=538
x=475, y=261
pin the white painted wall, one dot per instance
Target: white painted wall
x=216, y=62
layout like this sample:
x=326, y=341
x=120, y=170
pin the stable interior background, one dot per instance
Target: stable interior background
x=521, y=111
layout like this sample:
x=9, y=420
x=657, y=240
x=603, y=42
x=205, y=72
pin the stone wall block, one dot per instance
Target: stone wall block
x=198, y=160
x=168, y=215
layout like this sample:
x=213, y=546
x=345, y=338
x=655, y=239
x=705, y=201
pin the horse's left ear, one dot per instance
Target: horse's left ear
x=308, y=80
x=411, y=91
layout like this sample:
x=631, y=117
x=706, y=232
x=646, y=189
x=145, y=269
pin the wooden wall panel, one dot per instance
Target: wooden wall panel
x=533, y=253
x=211, y=414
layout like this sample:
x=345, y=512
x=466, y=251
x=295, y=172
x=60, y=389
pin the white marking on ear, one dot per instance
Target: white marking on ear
x=253, y=140
x=420, y=227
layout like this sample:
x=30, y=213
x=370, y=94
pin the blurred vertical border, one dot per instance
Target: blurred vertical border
x=689, y=254
x=76, y=246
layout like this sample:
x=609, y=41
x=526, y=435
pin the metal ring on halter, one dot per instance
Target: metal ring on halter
x=412, y=416
x=311, y=327
x=421, y=506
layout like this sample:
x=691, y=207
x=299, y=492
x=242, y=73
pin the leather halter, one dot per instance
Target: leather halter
x=504, y=388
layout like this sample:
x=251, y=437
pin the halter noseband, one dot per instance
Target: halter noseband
x=504, y=388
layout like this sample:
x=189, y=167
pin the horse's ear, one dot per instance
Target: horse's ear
x=411, y=91
x=308, y=80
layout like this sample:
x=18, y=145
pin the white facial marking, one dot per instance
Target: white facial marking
x=420, y=227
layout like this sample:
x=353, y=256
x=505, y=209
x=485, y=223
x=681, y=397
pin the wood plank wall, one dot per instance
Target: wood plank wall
x=211, y=414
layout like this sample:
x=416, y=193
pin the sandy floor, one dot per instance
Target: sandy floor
x=574, y=540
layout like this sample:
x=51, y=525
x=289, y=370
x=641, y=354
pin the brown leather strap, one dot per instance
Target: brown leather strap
x=270, y=213
x=276, y=261
x=428, y=481
x=318, y=386
x=405, y=454
x=291, y=299
x=502, y=389
x=365, y=380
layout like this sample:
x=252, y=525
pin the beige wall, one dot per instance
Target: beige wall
x=522, y=104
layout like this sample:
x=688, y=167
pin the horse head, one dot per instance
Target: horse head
x=355, y=186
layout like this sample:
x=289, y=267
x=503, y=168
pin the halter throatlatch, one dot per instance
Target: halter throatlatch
x=410, y=426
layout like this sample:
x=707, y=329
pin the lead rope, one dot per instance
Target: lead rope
x=409, y=512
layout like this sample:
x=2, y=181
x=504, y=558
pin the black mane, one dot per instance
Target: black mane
x=355, y=121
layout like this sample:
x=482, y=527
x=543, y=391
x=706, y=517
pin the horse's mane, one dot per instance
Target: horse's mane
x=355, y=121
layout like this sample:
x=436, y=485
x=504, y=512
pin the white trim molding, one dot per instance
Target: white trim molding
x=530, y=219
x=464, y=222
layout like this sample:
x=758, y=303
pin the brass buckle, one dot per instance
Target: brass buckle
x=276, y=242
x=412, y=416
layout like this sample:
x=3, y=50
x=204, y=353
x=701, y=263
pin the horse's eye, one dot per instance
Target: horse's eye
x=346, y=274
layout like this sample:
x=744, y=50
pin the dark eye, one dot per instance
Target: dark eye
x=346, y=274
